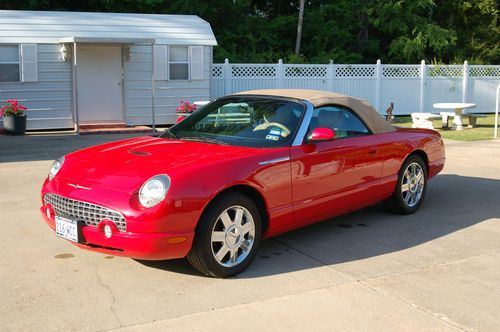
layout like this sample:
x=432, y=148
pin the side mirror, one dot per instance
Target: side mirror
x=321, y=135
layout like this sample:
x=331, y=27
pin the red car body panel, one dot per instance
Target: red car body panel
x=313, y=182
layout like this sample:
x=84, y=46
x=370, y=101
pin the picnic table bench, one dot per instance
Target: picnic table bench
x=423, y=120
x=472, y=118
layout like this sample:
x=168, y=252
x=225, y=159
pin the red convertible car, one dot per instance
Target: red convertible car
x=243, y=168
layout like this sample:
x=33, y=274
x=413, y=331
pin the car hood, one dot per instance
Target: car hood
x=125, y=165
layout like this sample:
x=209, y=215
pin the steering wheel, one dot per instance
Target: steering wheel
x=263, y=126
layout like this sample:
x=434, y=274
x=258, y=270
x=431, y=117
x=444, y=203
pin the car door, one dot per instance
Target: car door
x=329, y=178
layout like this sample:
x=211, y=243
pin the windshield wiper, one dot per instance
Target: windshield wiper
x=170, y=134
x=203, y=139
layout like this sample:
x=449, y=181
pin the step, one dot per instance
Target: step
x=103, y=124
x=115, y=130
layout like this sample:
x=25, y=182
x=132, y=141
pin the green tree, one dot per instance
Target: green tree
x=408, y=30
x=476, y=26
x=347, y=31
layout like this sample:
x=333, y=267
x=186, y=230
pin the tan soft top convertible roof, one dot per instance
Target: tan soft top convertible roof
x=362, y=108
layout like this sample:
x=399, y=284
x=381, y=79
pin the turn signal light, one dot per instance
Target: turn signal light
x=49, y=211
x=107, y=227
x=177, y=240
x=108, y=232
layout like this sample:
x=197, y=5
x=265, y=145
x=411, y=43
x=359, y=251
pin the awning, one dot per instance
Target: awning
x=101, y=40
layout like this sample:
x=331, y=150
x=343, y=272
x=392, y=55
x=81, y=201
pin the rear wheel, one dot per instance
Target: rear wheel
x=410, y=188
x=227, y=236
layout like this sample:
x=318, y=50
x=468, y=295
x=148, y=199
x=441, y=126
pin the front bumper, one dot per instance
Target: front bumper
x=147, y=246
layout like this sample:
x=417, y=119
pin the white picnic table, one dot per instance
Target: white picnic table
x=458, y=107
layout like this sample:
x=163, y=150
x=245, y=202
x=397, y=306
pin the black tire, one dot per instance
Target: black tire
x=205, y=248
x=400, y=202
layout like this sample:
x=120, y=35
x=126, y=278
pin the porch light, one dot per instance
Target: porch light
x=63, y=53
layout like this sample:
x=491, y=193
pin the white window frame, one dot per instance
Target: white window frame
x=186, y=62
x=18, y=63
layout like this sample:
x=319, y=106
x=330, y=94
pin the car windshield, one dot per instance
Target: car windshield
x=242, y=121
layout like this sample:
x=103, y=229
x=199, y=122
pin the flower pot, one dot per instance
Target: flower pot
x=14, y=125
x=181, y=116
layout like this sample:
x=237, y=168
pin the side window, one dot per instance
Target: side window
x=339, y=118
x=9, y=63
x=178, y=62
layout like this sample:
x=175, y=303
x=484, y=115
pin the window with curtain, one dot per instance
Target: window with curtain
x=9, y=63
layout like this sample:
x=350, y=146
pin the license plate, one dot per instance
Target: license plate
x=67, y=229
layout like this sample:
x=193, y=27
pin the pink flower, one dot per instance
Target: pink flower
x=12, y=108
x=185, y=107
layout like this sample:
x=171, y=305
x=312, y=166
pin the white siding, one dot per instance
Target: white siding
x=48, y=94
x=168, y=93
x=48, y=100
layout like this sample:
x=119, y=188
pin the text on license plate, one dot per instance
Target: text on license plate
x=67, y=228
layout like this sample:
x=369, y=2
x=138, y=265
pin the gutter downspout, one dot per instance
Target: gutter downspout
x=153, y=88
x=75, y=94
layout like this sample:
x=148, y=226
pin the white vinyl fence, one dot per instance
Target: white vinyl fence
x=412, y=88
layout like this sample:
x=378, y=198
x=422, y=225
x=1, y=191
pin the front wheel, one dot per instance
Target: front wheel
x=227, y=236
x=410, y=188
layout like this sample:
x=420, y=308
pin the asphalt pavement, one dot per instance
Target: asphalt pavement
x=438, y=269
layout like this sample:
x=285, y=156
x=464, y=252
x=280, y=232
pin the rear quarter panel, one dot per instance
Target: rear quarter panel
x=396, y=146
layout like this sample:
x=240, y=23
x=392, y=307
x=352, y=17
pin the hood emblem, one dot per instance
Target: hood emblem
x=77, y=186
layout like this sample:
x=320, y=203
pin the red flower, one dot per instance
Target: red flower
x=185, y=107
x=12, y=108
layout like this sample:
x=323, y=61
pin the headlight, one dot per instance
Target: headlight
x=154, y=190
x=56, y=166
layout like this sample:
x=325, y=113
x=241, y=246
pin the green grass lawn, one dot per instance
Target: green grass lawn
x=483, y=130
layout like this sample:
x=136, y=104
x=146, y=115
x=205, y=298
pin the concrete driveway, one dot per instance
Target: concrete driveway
x=436, y=270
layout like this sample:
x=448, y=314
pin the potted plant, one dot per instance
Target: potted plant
x=14, y=117
x=184, y=110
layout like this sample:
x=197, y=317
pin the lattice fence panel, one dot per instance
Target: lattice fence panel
x=217, y=71
x=253, y=71
x=306, y=71
x=358, y=71
x=445, y=71
x=484, y=71
x=401, y=72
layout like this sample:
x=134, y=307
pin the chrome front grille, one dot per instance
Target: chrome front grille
x=90, y=214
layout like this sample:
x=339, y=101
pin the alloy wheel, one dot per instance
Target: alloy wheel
x=233, y=236
x=412, y=184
